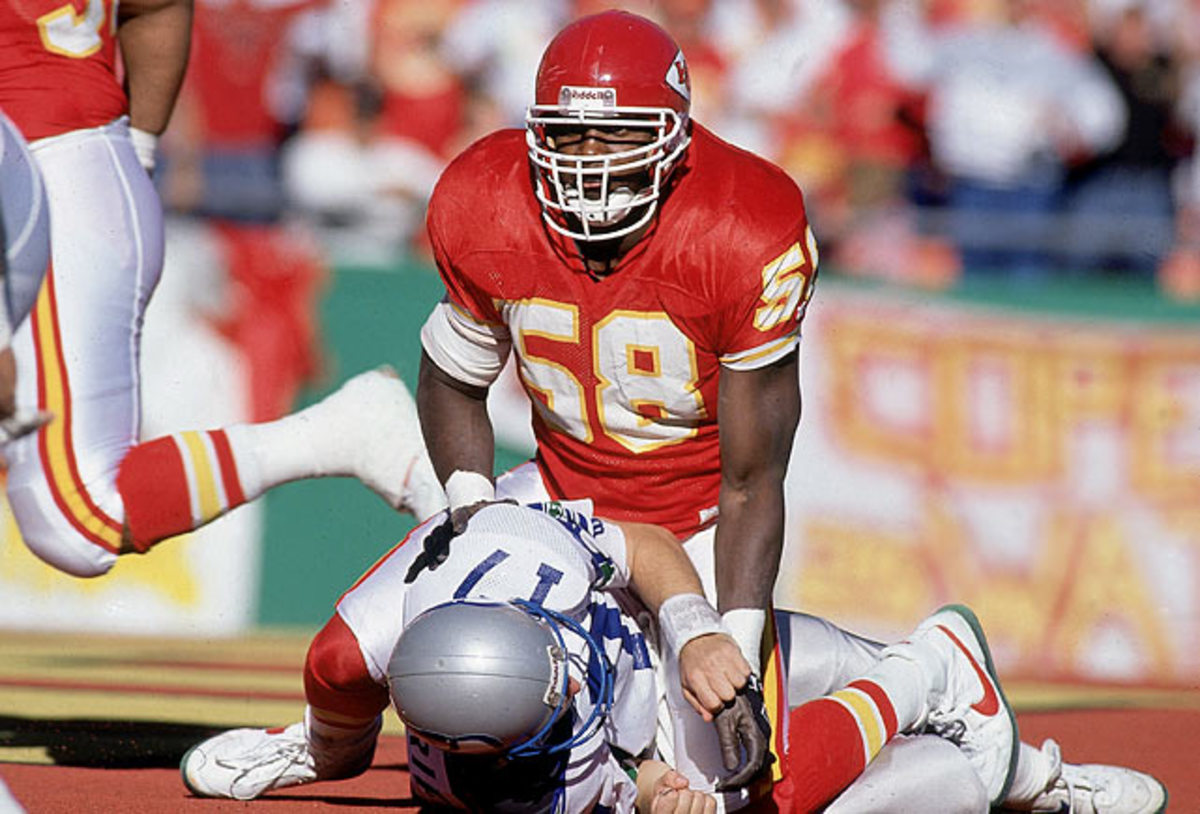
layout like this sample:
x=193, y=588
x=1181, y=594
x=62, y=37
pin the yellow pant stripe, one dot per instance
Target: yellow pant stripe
x=55, y=442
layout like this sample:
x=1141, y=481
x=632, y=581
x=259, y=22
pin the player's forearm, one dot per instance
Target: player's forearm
x=155, y=37
x=455, y=423
x=658, y=568
x=749, y=542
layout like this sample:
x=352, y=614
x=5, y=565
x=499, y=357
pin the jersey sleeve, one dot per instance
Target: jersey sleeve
x=761, y=316
x=449, y=224
x=469, y=350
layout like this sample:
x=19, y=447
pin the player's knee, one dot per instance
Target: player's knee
x=79, y=558
x=50, y=537
x=336, y=677
x=823, y=657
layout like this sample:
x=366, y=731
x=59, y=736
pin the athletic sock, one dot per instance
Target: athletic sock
x=340, y=747
x=833, y=738
x=177, y=483
x=1035, y=771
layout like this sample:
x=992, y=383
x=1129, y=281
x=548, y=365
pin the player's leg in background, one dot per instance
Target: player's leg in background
x=367, y=429
x=77, y=354
x=80, y=496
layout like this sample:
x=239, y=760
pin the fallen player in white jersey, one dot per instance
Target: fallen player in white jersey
x=550, y=567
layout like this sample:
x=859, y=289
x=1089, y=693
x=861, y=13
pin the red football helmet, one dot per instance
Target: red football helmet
x=618, y=71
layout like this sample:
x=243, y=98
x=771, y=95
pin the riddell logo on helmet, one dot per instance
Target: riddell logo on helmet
x=584, y=98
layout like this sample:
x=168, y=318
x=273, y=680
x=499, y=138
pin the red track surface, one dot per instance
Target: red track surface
x=1164, y=742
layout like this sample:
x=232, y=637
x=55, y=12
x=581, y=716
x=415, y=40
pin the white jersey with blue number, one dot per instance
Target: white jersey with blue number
x=554, y=554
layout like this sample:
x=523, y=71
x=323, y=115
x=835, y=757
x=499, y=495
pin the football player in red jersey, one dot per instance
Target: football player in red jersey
x=651, y=280
x=82, y=489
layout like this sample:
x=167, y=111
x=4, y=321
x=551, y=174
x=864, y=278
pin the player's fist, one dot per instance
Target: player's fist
x=744, y=733
x=712, y=670
x=671, y=795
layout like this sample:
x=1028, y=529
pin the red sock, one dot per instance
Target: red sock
x=177, y=483
x=832, y=739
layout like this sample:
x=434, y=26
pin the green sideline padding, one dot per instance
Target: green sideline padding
x=321, y=535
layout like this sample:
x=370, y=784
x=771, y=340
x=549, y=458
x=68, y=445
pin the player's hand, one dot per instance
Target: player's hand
x=22, y=423
x=461, y=516
x=671, y=795
x=712, y=670
x=744, y=733
x=435, y=548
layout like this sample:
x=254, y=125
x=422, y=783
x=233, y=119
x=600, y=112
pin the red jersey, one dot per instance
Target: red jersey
x=623, y=369
x=58, y=65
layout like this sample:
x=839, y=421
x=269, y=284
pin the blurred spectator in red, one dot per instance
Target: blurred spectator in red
x=877, y=122
x=422, y=99
x=376, y=137
x=222, y=165
x=768, y=86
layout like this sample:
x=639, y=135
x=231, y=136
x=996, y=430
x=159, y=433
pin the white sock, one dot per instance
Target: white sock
x=294, y=447
x=340, y=751
x=1033, y=775
x=907, y=686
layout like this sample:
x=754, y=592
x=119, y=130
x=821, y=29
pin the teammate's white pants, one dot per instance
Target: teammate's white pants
x=77, y=355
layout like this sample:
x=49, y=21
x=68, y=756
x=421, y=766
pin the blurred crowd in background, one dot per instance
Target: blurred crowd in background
x=934, y=140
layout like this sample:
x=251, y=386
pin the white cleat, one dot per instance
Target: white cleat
x=243, y=764
x=971, y=711
x=377, y=416
x=1092, y=788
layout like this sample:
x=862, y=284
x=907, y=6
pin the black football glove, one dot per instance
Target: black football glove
x=435, y=548
x=744, y=730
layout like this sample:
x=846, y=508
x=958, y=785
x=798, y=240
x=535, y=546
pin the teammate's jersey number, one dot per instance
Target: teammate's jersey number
x=68, y=33
x=646, y=394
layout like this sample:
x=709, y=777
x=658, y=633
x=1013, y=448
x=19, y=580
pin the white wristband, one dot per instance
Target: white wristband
x=145, y=144
x=746, y=626
x=467, y=488
x=684, y=617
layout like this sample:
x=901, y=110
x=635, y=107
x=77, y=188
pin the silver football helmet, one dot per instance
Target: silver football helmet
x=484, y=677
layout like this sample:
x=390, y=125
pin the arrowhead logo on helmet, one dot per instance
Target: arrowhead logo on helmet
x=677, y=77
